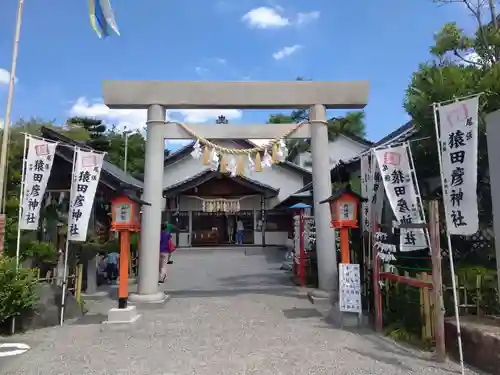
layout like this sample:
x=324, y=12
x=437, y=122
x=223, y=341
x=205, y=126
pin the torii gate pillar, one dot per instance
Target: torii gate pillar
x=157, y=96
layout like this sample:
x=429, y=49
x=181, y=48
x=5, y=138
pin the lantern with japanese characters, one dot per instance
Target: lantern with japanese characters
x=344, y=208
x=344, y=213
x=125, y=215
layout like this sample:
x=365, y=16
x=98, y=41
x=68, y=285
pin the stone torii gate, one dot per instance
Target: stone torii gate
x=158, y=96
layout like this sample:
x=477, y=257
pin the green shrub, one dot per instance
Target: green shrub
x=42, y=252
x=17, y=289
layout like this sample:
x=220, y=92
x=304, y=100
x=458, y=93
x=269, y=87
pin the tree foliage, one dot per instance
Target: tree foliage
x=463, y=65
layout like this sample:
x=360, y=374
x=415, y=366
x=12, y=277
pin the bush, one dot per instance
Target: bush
x=42, y=252
x=17, y=289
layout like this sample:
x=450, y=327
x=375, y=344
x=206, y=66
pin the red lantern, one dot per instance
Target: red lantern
x=125, y=215
x=344, y=215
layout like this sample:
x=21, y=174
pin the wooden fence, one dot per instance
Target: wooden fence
x=73, y=280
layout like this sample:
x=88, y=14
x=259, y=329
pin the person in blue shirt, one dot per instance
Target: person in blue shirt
x=112, y=266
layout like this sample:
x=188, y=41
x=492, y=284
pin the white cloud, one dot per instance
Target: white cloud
x=286, y=51
x=200, y=70
x=136, y=119
x=273, y=18
x=306, y=17
x=5, y=77
x=265, y=18
x=1, y=123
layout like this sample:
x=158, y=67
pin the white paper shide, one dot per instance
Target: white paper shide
x=366, y=182
x=350, y=288
x=458, y=128
x=86, y=173
x=38, y=164
x=400, y=189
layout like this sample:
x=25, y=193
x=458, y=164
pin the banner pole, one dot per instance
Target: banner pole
x=66, y=247
x=450, y=251
x=10, y=96
x=19, y=217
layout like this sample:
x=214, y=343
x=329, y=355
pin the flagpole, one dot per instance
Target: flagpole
x=10, y=96
x=66, y=247
x=19, y=218
x=450, y=251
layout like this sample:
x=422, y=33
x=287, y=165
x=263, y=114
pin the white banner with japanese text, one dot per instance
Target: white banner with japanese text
x=86, y=173
x=38, y=164
x=400, y=189
x=458, y=129
x=366, y=183
x=376, y=196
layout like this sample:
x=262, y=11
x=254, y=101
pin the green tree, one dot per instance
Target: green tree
x=351, y=123
x=463, y=65
x=136, y=146
x=96, y=129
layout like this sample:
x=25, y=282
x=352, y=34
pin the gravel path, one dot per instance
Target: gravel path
x=229, y=314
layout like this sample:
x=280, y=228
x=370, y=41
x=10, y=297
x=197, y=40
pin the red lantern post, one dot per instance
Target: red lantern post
x=125, y=219
x=344, y=213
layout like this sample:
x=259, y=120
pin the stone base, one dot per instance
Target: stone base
x=158, y=298
x=96, y=295
x=319, y=296
x=122, y=316
x=131, y=281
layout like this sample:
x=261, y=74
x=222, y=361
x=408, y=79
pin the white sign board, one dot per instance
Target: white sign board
x=350, y=288
x=458, y=127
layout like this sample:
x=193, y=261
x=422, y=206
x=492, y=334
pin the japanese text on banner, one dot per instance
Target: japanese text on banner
x=376, y=194
x=400, y=190
x=87, y=171
x=458, y=127
x=366, y=182
x=39, y=160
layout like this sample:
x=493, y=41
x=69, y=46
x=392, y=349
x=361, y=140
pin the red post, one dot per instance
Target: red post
x=302, y=257
x=124, y=257
x=377, y=295
x=345, y=256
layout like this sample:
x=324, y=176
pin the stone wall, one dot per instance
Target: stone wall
x=480, y=341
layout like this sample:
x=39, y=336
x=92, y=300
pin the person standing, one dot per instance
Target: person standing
x=230, y=228
x=112, y=266
x=169, y=228
x=165, y=238
x=240, y=228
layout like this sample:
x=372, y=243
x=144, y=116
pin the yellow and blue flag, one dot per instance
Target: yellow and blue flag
x=102, y=18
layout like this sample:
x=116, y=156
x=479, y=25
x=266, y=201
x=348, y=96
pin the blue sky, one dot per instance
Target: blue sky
x=62, y=62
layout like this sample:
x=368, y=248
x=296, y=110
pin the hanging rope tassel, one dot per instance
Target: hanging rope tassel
x=240, y=169
x=223, y=164
x=206, y=156
x=275, y=153
x=258, y=163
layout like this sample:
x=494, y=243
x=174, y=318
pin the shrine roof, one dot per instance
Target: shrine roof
x=208, y=175
x=122, y=179
x=401, y=134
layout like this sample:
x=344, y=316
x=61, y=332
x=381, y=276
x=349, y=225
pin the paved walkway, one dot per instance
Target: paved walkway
x=229, y=314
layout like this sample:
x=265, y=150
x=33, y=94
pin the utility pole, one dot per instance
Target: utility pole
x=8, y=110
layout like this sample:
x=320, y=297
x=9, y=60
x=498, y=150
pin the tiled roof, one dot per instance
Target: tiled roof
x=208, y=174
x=107, y=167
